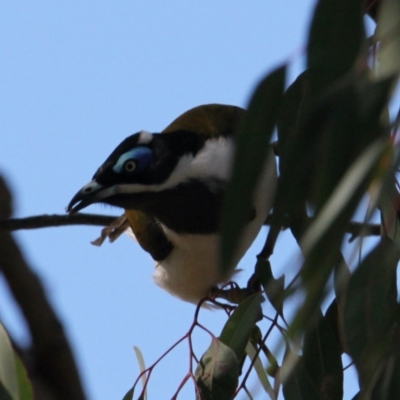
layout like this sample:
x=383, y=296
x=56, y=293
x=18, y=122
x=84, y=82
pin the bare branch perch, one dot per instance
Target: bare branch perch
x=48, y=221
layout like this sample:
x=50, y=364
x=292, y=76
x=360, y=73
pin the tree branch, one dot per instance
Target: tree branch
x=53, y=370
x=48, y=221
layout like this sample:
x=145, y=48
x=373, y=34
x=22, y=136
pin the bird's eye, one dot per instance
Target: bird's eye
x=137, y=159
x=130, y=166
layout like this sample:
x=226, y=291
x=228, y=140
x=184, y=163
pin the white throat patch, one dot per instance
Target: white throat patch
x=212, y=161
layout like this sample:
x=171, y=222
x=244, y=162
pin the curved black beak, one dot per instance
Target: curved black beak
x=89, y=194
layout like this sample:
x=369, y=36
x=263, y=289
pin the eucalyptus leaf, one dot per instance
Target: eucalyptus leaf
x=322, y=358
x=388, y=205
x=129, y=395
x=371, y=314
x=142, y=366
x=332, y=321
x=343, y=193
x=251, y=157
x=299, y=386
x=8, y=371
x=239, y=327
x=217, y=373
x=294, y=140
x=335, y=40
x=262, y=375
x=274, y=288
x=355, y=147
x=295, y=104
x=388, y=34
x=4, y=394
x=322, y=241
x=344, y=123
x=24, y=383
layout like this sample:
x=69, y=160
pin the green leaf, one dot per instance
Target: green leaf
x=129, y=395
x=24, y=383
x=388, y=385
x=142, y=366
x=4, y=395
x=131, y=392
x=217, y=373
x=295, y=103
x=344, y=192
x=331, y=133
x=322, y=241
x=8, y=371
x=253, y=150
x=294, y=140
x=274, y=288
x=335, y=40
x=388, y=34
x=262, y=375
x=371, y=312
x=352, y=147
x=344, y=125
x=332, y=321
x=237, y=330
x=299, y=386
x=388, y=205
x=322, y=357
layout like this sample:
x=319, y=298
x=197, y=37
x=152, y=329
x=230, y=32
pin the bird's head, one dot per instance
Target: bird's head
x=142, y=163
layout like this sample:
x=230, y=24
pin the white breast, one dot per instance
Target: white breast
x=192, y=268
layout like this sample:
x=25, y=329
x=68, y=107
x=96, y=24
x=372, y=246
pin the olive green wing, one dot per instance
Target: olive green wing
x=211, y=120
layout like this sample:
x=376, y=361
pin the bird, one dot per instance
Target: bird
x=172, y=186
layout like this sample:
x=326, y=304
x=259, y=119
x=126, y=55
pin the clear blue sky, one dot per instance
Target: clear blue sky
x=75, y=79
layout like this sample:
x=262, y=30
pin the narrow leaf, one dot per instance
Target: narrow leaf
x=299, y=386
x=351, y=151
x=24, y=384
x=322, y=241
x=294, y=140
x=129, y=395
x=262, y=375
x=4, y=394
x=354, y=177
x=295, y=103
x=252, y=153
x=238, y=329
x=335, y=39
x=371, y=311
x=8, y=372
x=322, y=357
x=388, y=205
x=388, y=33
x=217, y=373
x=142, y=366
x=274, y=288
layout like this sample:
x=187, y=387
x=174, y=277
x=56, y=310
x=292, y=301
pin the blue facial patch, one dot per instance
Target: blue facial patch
x=142, y=156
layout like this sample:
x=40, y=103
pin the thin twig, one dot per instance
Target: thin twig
x=49, y=221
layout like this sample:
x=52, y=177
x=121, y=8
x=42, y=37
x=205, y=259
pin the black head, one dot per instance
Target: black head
x=140, y=163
